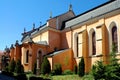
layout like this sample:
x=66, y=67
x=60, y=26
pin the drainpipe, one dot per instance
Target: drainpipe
x=72, y=47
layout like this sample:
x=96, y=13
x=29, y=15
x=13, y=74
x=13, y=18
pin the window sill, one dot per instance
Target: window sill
x=98, y=55
x=26, y=63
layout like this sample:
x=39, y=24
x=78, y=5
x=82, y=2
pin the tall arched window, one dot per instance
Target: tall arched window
x=40, y=56
x=39, y=59
x=115, y=38
x=93, y=43
x=27, y=56
x=76, y=51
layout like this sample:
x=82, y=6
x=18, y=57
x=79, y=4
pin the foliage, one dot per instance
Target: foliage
x=12, y=65
x=88, y=77
x=19, y=67
x=45, y=67
x=7, y=73
x=4, y=61
x=98, y=70
x=107, y=72
x=21, y=77
x=57, y=70
x=75, y=69
x=6, y=69
x=113, y=69
x=81, y=69
x=35, y=78
x=66, y=77
x=67, y=72
x=34, y=68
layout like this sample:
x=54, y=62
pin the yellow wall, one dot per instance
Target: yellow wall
x=64, y=58
x=66, y=39
x=54, y=40
x=103, y=39
x=41, y=37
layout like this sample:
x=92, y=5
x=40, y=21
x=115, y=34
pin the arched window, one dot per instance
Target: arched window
x=115, y=38
x=39, y=59
x=27, y=56
x=76, y=45
x=40, y=56
x=93, y=44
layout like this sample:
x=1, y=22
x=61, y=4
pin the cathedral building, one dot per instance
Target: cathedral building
x=65, y=38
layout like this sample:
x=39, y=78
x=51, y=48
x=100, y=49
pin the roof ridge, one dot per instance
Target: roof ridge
x=92, y=9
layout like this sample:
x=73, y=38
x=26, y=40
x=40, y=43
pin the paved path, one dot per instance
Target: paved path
x=4, y=77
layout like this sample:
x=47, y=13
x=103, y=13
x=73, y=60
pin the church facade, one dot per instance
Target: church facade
x=66, y=38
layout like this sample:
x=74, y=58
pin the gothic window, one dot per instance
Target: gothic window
x=40, y=56
x=76, y=45
x=93, y=44
x=114, y=38
x=27, y=56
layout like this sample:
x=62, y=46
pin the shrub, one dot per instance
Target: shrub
x=6, y=69
x=45, y=67
x=33, y=78
x=34, y=68
x=98, y=70
x=75, y=69
x=67, y=72
x=21, y=77
x=19, y=67
x=107, y=72
x=12, y=65
x=57, y=69
x=81, y=69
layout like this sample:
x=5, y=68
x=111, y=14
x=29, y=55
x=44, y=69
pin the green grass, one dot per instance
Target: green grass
x=66, y=77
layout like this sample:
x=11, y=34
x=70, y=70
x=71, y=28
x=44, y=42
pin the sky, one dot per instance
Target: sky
x=15, y=15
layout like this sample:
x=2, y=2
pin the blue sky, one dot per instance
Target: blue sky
x=15, y=15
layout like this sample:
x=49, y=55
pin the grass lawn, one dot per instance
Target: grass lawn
x=66, y=77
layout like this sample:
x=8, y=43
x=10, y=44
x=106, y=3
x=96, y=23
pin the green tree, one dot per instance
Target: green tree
x=98, y=70
x=19, y=67
x=34, y=68
x=75, y=69
x=113, y=69
x=12, y=65
x=45, y=67
x=107, y=72
x=81, y=69
x=57, y=69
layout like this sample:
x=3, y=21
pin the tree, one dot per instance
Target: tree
x=81, y=69
x=19, y=67
x=45, y=67
x=107, y=72
x=113, y=69
x=12, y=65
x=98, y=70
x=57, y=69
x=75, y=69
x=34, y=68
